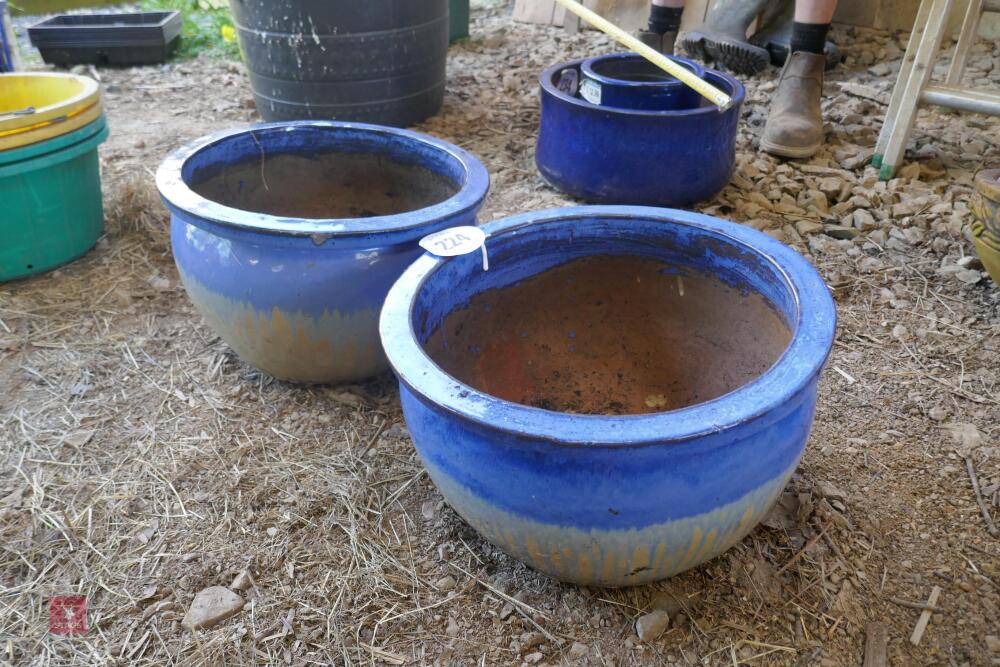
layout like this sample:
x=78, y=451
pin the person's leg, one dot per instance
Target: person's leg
x=812, y=22
x=774, y=33
x=795, y=125
x=815, y=11
x=664, y=22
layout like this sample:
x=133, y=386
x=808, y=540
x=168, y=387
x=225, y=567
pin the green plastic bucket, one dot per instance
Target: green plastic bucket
x=50, y=201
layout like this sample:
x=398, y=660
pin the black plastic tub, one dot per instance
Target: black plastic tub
x=370, y=61
x=128, y=38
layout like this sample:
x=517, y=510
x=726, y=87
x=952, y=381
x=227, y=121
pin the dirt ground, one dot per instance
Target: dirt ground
x=142, y=461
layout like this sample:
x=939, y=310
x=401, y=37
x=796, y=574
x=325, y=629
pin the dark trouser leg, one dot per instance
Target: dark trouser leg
x=664, y=22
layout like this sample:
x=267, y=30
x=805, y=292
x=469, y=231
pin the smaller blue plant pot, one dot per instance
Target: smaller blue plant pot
x=609, y=499
x=287, y=236
x=608, y=155
x=629, y=81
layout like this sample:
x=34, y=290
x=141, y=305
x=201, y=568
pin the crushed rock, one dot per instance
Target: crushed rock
x=212, y=606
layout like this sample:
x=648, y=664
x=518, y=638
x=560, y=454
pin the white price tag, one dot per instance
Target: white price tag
x=590, y=90
x=456, y=241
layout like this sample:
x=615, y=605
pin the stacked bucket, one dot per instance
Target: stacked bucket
x=50, y=184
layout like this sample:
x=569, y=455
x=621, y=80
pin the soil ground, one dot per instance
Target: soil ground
x=142, y=461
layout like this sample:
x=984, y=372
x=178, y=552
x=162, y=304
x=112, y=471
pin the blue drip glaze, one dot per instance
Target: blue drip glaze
x=636, y=156
x=560, y=484
x=269, y=283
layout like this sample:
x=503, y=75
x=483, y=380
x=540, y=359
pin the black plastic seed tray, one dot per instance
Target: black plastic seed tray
x=133, y=38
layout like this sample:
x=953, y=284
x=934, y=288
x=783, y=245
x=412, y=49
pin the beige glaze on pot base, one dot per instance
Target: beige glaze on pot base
x=611, y=335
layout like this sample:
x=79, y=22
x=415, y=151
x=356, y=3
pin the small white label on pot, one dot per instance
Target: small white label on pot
x=590, y=90
x=456, y=241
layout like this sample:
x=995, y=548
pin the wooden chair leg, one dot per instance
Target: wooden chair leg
x=923, y=66
x=919, y=25
x=970, y=28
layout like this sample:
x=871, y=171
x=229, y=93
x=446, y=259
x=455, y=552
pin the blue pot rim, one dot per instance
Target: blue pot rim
x=796, y=369
x=180, y=197
x=587, y=71
x=548, y=87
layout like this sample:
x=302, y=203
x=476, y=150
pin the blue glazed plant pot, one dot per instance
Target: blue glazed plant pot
x=287, y=236
x=609, y=155
x=609, y=499
x=629, y=81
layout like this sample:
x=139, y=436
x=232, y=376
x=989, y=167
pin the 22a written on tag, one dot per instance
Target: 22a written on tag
x=457, y=241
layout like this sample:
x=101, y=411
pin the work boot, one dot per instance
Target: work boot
x=663, y=43
x=775, y=35
x=723, y=37
x=794, y=127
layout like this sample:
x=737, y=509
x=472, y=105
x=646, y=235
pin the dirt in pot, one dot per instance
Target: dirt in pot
x=337, y=185
x=611, y=335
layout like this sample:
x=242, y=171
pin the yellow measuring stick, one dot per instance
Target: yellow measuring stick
x=704, y=88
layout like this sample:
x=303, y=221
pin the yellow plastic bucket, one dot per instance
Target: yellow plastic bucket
x=39, y=106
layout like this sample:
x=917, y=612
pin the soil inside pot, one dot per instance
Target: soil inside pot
x=337, y=185
x=611, y=335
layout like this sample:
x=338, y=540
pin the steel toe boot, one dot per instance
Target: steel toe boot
x=723, y=36
x=794, y=127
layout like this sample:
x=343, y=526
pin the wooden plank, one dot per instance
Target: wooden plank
x=534, y=11
x=628, y=14
x=559, y=16
x=571, y=24
x=923, y=66
x=904, y=75
x=548, y=12
x=876, y=642
x=966, y=36
x=925, y=617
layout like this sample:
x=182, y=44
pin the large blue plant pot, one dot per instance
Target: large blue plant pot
x=611, y=155
x=299, y=297
x=629, y=81
x=611, y=500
